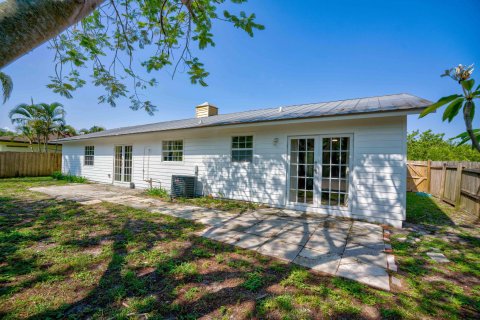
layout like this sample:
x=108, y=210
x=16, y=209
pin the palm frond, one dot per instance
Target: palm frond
x=7, y=86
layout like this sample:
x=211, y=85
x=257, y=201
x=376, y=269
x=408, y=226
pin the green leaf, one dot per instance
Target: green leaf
x=464, y=137
x=438, y=104
x=452, y=109
x=468, y=84
x=7, y=86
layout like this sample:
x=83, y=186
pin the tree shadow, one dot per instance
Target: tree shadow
x=422, y=209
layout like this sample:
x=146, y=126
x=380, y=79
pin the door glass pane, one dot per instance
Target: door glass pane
x=127, y=167
x=335, y=173
x=335, y=158
x=118, y=163
x=302, y=171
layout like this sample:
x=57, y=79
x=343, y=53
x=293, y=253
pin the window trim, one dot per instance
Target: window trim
x=236, y=149
x=87, y=156
x=173, y=161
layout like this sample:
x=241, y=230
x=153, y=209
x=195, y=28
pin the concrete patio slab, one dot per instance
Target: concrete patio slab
x=363, y=254
x=324, y=241
x=298, y=238
x=267, y=228
x=365, y=273
x=250, y=241
x=336, y=246
x=280, y=249
x=318, y=261
x=370, y=242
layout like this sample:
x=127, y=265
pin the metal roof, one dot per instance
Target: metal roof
x=387, y=103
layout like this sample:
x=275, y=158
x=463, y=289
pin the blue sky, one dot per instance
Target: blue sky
x=311, y=51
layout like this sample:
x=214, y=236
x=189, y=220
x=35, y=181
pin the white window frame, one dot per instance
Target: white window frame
x=349, y=168
x=165, y=150
x=122, y=166
x=318, y=173
x=87, y=156
x=232, y=148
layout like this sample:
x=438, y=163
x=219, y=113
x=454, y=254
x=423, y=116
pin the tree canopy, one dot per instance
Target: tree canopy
x=120, y=42
x=433, y=146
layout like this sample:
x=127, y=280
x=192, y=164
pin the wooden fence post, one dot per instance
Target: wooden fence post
x=429, y=175
x=442, y=182
x=458, y=185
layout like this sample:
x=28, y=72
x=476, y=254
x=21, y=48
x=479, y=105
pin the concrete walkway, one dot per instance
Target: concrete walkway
x=335, y=246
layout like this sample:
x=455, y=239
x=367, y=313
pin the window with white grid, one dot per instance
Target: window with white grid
x=242, y=149
x=172, y=150
x=89, y=155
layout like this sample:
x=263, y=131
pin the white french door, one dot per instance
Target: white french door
x=122, y=167
x=319, y=173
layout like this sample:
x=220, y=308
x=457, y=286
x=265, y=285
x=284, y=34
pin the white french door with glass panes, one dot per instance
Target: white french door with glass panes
x=319, y=173
x=122, y=166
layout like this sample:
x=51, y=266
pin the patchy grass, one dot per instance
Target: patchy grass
x=62, y=260
x=206, y=202
x=435, y=226
x=58, y=175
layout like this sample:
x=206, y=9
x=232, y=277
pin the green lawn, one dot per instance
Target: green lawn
x=62, y=260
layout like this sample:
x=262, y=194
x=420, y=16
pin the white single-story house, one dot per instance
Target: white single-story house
x=345, y=158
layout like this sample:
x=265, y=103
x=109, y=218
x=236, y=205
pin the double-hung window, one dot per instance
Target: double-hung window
x=89, y=155
x=242, y=149
x=172, y=150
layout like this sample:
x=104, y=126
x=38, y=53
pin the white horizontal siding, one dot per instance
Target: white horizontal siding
x=378, y=163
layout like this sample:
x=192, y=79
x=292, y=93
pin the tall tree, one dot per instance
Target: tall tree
x=92, y=129
x=51, y=116
x=457, y=102
x=106, y=41
x=38, y=120
x=28, y=133
x=26, y=115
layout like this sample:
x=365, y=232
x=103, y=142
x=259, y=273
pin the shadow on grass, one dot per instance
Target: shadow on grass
x=425, y=210
x=153, y=265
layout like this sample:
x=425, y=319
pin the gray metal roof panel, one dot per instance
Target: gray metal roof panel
x=312, y=110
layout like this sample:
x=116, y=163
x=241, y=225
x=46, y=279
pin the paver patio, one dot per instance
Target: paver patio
x=335, y=246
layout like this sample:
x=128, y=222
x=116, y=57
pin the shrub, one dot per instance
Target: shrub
x=157, y=192
x=58, y=175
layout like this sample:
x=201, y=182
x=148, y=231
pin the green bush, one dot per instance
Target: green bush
x=58, y=175
x=157, y=192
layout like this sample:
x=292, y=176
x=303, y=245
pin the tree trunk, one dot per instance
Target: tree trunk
x=467, y=111
x=26, y=24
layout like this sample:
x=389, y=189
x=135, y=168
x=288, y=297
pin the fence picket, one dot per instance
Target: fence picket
x=28, y=164
x=453, y=182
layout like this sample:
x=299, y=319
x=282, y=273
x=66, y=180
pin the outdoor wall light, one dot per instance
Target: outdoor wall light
x=275, y=141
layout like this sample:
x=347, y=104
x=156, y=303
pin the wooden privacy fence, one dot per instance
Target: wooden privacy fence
x=29, y=164
x=454, y=182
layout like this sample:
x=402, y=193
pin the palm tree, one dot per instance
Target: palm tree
x=27, y=132
x=51, y=116
x=27, y=116
x=456, y=102
x=42, y=120
x=63, y=131
x=92, y=129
